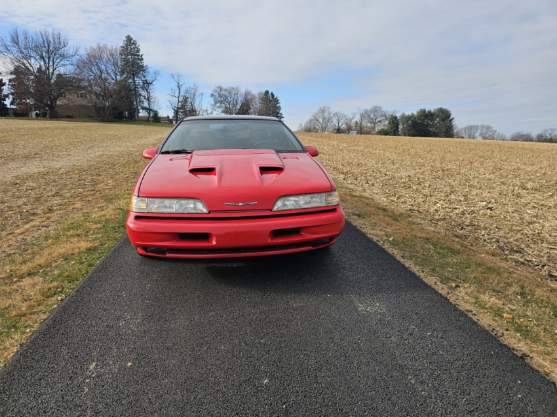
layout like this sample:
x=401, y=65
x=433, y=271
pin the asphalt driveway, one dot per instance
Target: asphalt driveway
x=347, y=331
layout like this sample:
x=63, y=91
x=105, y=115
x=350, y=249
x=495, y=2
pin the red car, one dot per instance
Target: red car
x=233, y=186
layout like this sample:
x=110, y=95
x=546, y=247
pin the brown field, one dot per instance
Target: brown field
x=64, y=188
x=502, y=195
x=478, y=220
x=47, y=167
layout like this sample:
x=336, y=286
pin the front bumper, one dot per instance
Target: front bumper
x=234, y=234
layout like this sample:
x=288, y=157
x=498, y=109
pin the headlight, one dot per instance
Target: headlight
x=167, y=205
x=293, y=202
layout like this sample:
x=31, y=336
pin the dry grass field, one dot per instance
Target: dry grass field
x=502, y=195
x=64, y=189
x=478, y=220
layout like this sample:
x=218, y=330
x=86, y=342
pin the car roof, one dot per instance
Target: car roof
x=231, y=117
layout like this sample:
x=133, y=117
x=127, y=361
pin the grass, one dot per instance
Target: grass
x=46, y=273
x=64, y=192
x=422, y=200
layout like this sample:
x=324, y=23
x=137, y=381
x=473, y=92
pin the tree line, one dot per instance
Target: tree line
x=46, y=68
x=437, y=122
x=186, y=101
x=375, y=120
x=114, y=81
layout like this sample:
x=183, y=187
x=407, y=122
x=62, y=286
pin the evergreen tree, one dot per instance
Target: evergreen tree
x=269, y=105
x=156, y=116
x=392, y=125
x=122, y=101
x=276, y=110
x=248, y=103
x=20, y=86
x=412, y=125
x=265, y=104
x=428, y=123
x=423, y=123
x=133, y=71
x=443, y=123
x=245, y=107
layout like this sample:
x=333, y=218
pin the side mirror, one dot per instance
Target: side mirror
x=312, y=150
x=149, y=153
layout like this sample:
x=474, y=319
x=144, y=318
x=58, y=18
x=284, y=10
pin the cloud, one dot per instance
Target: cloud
x=491, y=62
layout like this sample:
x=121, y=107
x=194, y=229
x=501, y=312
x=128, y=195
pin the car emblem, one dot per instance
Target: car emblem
x=241, y=203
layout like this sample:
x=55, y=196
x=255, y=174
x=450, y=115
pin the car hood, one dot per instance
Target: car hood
x=228, y=179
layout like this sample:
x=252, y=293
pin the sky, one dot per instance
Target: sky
x=490, y=62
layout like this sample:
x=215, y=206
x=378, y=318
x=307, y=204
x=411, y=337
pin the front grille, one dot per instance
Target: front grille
x=278, y=233
x=215, y=251
x=198, y=237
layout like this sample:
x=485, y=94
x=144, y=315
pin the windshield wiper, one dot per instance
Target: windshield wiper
x=178, y=151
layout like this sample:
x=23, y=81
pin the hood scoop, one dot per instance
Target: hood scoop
x=235, y=163
x=238, y=175
x=199, y=165
x=203, y=170
x=270, y=169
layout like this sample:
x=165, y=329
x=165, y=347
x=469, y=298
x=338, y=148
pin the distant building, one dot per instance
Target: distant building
x=75, y=106
x=72, y=106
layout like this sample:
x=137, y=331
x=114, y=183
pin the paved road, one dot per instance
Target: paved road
x=348, y=332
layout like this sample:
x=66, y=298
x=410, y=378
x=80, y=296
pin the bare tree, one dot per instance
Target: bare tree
x=226, y=100
x=349, y=122
x=309, y=126
x=362, y=121
x=192, y=102
x=478, y=132
x=99, y=73
x=547, y=135
x=339, y=120
x=44, y=57
x=487, y=132
x=176, y=95
x=375, y=116
x=147, y=92
x=322, y=119
x=470, y=131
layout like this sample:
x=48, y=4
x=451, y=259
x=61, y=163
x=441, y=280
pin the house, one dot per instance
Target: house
x=76, y=106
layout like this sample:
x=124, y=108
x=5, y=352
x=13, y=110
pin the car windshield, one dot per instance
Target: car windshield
x=231, y=134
